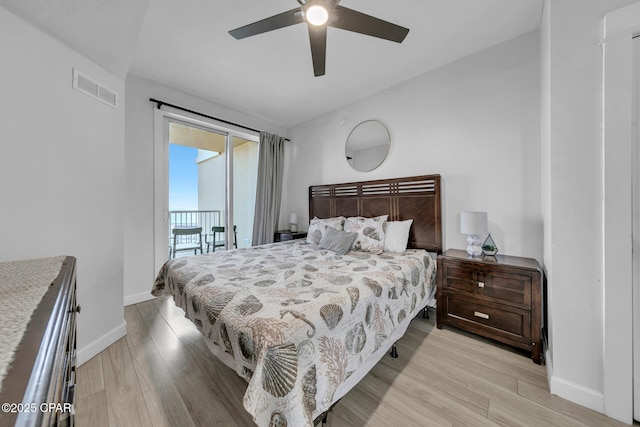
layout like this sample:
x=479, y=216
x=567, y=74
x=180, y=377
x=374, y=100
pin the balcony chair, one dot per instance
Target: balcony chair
x=221, y=242
x=186, y=243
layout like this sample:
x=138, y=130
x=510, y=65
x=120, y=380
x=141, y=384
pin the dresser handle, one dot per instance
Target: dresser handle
x=481, y=284
x=482, y=315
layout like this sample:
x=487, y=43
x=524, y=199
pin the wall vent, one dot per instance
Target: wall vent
x=94, y=89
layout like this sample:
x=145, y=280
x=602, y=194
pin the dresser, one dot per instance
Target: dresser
x=498, y=297
x=284, y=235
x=39, y=386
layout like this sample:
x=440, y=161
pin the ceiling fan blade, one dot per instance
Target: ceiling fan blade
x=358, y=22
x=284, y=19
x=318, y=39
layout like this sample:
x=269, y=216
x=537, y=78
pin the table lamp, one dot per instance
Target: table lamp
x=293, y=222
x=473, y=224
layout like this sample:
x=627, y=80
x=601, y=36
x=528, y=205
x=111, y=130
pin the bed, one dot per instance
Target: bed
x=304, y=324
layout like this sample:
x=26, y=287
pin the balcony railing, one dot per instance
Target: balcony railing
x=192, y=219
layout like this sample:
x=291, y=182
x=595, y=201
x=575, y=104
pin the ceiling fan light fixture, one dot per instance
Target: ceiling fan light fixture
x=316, y=15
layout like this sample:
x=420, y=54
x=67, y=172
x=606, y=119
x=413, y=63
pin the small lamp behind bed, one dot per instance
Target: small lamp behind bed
x=473, y=224
x=293, y=223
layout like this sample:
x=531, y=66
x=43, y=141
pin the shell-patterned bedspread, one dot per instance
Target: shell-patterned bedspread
x=302, y=324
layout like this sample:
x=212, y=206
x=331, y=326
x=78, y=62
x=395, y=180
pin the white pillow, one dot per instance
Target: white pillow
x=396, y=235
x=317, y=226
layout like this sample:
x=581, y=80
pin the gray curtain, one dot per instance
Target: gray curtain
x=269, y=189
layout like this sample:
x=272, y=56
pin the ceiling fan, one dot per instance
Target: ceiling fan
x=320, y=14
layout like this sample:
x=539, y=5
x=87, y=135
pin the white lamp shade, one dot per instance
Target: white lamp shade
x=293, y=218
x=473, y=223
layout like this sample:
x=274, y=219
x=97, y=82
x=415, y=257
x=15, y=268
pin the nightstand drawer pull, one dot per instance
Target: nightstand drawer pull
x=481, y=315
x=481, y=284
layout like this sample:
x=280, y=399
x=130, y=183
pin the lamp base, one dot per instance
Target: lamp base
x=293, y=228
x=473, y=245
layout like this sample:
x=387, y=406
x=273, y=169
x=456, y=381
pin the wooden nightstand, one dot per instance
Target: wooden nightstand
x=283, y=235
x=498, y=297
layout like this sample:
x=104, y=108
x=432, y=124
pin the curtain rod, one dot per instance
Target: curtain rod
x=161, y=103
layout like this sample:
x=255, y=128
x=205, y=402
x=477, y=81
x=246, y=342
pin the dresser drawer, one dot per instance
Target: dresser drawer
x=511, y=325
x=487, y=282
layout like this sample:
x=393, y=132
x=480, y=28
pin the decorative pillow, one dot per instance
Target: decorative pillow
x=370, y=233
x=317, y=226
x=396, y=235
x=337, y=241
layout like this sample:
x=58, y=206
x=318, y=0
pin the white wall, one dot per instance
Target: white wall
x=139, y=270
x=62, y=173
x=545, y=170
x=573, y=199
x=476, y=122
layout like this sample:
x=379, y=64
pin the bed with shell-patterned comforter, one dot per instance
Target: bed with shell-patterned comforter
x=302, y=325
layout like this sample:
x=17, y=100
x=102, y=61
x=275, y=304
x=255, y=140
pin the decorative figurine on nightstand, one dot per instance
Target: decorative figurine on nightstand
x=489, y=247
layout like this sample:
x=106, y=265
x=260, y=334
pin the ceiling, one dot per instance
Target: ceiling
x=186, y=45
x=200, y=138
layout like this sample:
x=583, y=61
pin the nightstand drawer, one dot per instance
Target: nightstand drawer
x=510, y=324
x=499, y=285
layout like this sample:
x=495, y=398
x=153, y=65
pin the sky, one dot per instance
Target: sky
x=183, y=178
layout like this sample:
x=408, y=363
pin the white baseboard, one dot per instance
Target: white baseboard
x=87, y=352
x=136, y=298
x=577, y=393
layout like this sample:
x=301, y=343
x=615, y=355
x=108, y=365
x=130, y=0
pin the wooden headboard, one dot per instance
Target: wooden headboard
x=416, y=197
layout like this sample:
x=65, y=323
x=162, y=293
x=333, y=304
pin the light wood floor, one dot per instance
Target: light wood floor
x=162, y=374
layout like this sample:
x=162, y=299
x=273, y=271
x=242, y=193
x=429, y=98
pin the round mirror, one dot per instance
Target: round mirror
x=367, y=145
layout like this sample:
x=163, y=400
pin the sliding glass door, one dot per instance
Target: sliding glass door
x=213, y=194
x=245, y=172
x=196, y=186
x=205, y=177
